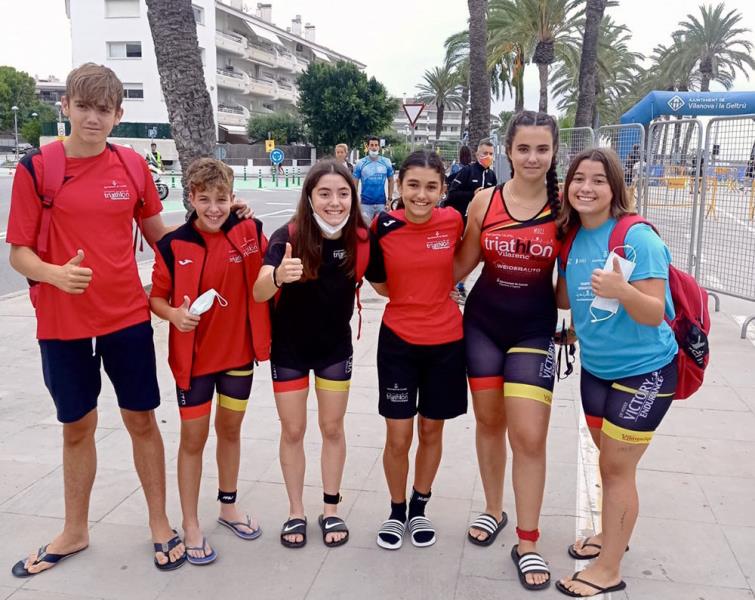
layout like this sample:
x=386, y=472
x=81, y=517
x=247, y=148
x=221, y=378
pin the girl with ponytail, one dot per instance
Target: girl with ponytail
x=509, y=322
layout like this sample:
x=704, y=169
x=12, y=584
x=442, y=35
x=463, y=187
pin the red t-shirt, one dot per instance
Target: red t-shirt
x=223, y=337
x=416, y=262
x=94, y=211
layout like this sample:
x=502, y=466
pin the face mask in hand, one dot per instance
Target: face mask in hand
x=204, y=303
x=611, y=305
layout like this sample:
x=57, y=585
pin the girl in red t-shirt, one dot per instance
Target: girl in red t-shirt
x=420, y=349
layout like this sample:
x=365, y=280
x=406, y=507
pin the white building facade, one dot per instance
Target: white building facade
x=250, y=64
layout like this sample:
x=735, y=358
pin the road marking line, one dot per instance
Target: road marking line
x=278, y=203
x=3, y=234
x=277, y=212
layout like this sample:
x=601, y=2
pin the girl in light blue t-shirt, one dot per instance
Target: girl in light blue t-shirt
x=627, y=350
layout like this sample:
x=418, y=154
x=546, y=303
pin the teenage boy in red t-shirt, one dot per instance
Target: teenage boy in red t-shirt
x=91, y=307
x=213, y=344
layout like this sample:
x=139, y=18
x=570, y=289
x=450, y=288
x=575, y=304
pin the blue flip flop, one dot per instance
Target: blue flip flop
x=165, y=549
x=206, y=559
x=20, y=570
x=235, y=526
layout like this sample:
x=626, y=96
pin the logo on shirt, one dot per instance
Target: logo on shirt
x=249, y=247
x=339, y=254
x=234, y=256
x=397, y=394
x=389, y=222
x=116, y=191
x=185, y=261
x=518, y=247
x=438, y=241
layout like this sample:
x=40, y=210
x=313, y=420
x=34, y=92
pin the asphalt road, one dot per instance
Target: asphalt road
x=273, y=207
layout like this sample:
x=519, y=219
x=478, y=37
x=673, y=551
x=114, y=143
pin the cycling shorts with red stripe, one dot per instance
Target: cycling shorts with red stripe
x=522, y=368
x=333, y=378
x=233, y=387
x=631, y=408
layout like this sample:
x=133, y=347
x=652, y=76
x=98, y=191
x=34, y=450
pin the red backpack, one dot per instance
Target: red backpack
x=691, y=323
x=363, y=259
x=54, y=165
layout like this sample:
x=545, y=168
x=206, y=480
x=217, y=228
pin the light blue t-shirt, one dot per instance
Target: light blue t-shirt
x=373, y=174
x=618, y=346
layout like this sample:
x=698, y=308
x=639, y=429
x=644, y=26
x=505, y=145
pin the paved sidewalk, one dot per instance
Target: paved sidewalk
x=695, y=537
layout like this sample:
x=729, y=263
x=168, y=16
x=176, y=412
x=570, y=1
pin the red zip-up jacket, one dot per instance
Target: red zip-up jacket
x=187, y=246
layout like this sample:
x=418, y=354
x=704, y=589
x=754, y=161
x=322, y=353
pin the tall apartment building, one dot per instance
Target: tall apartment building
x=250, y=64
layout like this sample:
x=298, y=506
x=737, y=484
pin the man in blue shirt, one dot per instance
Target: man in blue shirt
x=373, y=171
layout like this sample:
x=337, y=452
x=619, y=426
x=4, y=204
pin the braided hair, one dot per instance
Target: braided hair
x=530, y=118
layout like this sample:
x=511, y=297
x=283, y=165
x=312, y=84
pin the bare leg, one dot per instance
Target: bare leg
x=193, y=439
x=429, y=452
x=490, y=439
x=292, y=410
x=396, y=456
x=331, y=411
x=79, y=467
x=228, y=454
x=149, y=459
x=618, y=469
x=528, y=429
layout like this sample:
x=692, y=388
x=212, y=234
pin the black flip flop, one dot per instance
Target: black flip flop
x=530, y=562
x=490, y=525
x=333, y=525
x=572, y=550
x=294, y=527
x=20, y=570
x=600, y=590
x=165, y=550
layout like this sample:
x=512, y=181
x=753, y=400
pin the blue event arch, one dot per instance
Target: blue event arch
x=656, y=104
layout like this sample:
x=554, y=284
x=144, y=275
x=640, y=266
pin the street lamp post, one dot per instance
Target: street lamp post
x=58, y=105
x=15, y=126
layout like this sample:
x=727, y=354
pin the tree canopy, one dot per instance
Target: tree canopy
x=284, y=128
x=340, y=104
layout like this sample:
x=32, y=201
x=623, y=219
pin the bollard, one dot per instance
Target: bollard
x=244, y=172
x=173, y=181
x=286, y=172
x=259, y=179
x=298, y=175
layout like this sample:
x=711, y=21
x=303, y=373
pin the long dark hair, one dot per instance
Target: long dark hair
x=530, y=118
x=307, y=239
x=465, y=156
x=424, y=159
x=620, y=202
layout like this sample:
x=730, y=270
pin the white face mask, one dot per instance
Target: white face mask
x=327, y=229
x=373, y=153
x=204, y=303
x=611, y=305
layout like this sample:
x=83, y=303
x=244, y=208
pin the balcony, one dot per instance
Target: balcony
x=301, y=65
x=231, y=42
x=232, y=115
x=286, y=91
x=286, y=61
x=261, y=87
x=261, y=54
x=233, y=80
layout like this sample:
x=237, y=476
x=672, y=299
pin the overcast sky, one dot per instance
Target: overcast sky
x=397, y=39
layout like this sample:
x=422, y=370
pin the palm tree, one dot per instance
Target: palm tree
x=457, y=55
x=541, y=27
x=179, y=63
x=616, y=73
x=441, y=88
x=479, y=113
x=585, y=110
x=714, y=41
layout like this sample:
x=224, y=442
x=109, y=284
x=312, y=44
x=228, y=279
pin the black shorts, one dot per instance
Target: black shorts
x=436, y=373
x=71, y=370
x=233, y=387
x=631, y=408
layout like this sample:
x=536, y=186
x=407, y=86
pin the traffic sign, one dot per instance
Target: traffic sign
x=277, y=156
x=152, y=132
x=413, y=111
x=269, y=145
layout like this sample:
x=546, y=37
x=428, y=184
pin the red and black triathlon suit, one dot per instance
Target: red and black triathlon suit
x=420, y=347
x=510, y=315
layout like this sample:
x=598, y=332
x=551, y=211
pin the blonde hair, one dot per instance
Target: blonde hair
x=206, y=173
x=344, y=147
x=95, y=85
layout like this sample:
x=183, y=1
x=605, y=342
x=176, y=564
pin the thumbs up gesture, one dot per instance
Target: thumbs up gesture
x=71, y=277
x=290, y=269
x=609, y=283
x=182, y=319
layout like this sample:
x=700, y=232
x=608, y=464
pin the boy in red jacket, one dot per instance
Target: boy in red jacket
x=202, y=283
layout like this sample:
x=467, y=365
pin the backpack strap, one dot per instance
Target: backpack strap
x=363, y=259
x=54, y=170
x=563, y=255
x=617, y=239
x=134, y=166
